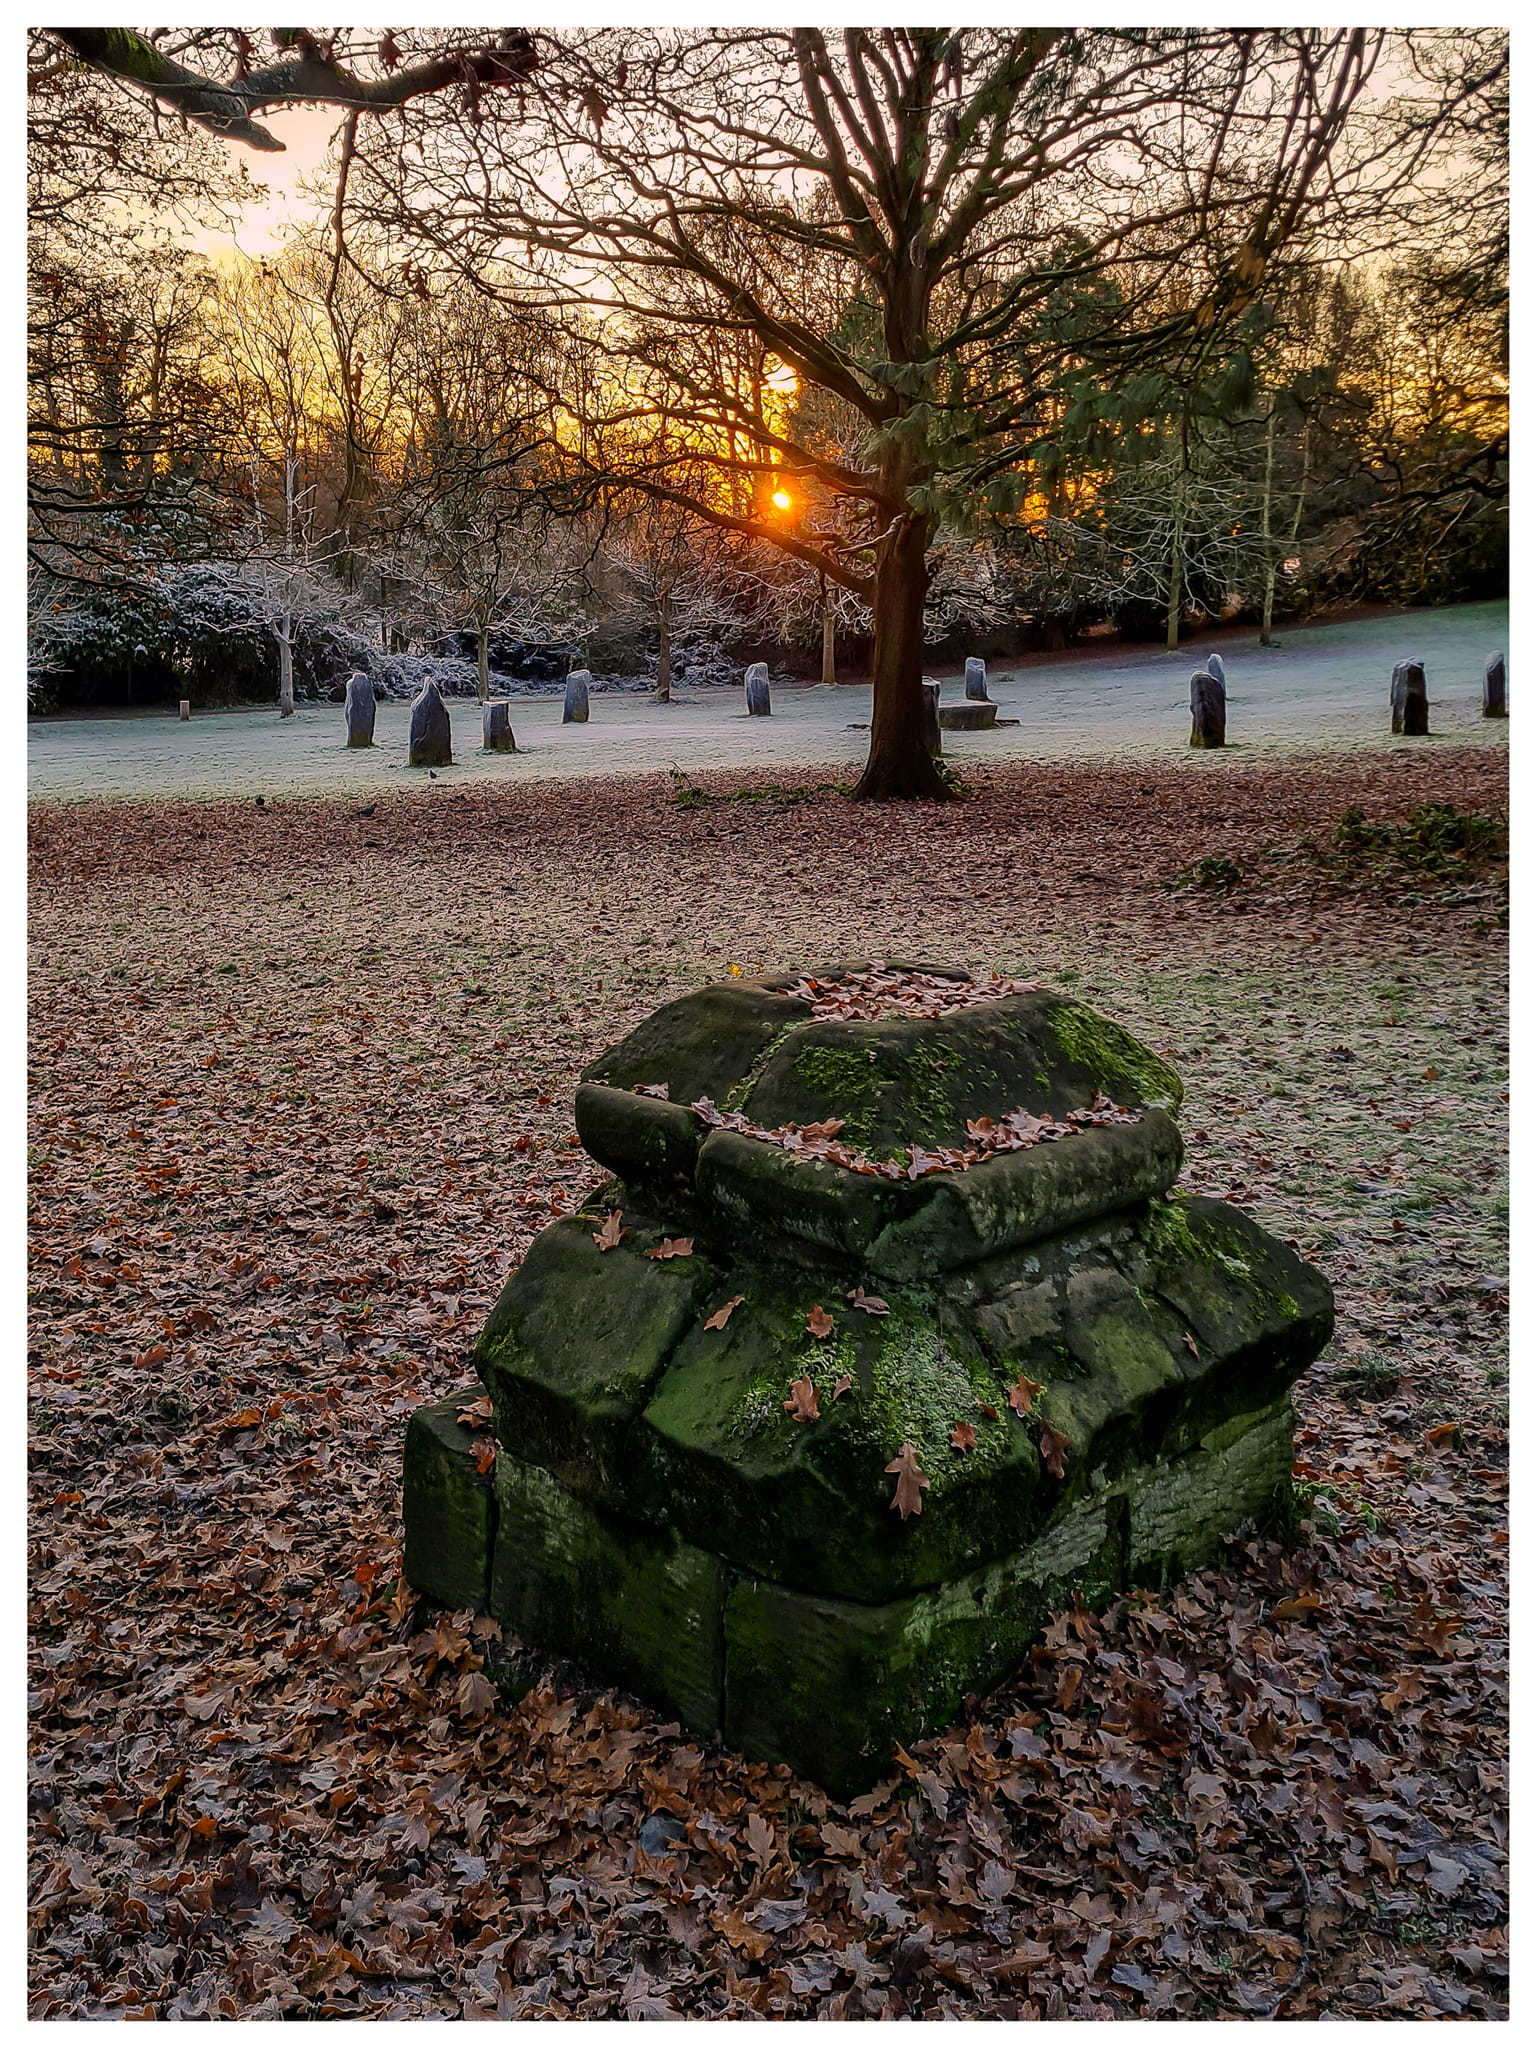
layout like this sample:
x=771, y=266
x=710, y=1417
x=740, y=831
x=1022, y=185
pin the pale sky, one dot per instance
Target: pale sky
x=306, y=133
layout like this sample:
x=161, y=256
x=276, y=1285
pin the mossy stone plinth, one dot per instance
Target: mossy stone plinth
x=832, y=1686
x=662, y=1515
x=578, y=1340
x=892, y=1082
x=637, y=1605
x=604, y=1371
x=449, y=1511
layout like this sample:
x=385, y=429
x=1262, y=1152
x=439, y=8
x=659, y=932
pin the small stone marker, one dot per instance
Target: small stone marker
x=759, y=698
x=1207, y=710
x=1215, y=667
x=1410, y=700
x=931, y=717
x=976, y=679
x=496, y=729
x=968, y=717
x=186, y=709
x=1495, y=704
x=361, y=707
x=576, y=706
x=431, y=733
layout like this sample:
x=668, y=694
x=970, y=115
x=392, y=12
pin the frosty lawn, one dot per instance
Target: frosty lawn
x=1319, y=687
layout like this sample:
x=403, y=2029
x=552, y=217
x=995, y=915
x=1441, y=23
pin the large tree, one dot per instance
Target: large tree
x=956, y=236
x=861, y=298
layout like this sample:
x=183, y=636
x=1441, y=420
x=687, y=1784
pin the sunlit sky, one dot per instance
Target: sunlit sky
x=306, y=133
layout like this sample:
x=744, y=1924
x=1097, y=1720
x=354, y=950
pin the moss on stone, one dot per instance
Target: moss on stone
x=647, y=1465
x=831, y=1687
x=1116, y=1059
x=578, y=1340
x=635, y=1605
x=809, y=1502
x=449, y=1508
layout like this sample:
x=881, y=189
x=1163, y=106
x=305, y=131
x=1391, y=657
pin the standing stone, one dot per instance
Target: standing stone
x=1410, y=700
x=186, y=709
x=1215, y=667
x=431, y=734
x=1207, y=710
x=361, y=706
x=1495, y=705
x=759, y=700
x=577, y=708
x=976, y=679
x=496, y=728
x=931, y=717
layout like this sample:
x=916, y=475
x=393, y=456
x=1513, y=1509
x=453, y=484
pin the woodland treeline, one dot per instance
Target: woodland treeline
x=601, y=353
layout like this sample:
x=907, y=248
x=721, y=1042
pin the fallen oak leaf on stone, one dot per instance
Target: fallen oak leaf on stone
x=1053, y=1449
x=608, y=1237
x=672, y=1248
x=485, y=1455
x=842, y=1385
x=911, y=1479
x=871, y=1304
x=476, y=1414
x=963, y=1436
x=724, y=1312
x=818, y=1322
x=1022, y=1393
x=803, y=1404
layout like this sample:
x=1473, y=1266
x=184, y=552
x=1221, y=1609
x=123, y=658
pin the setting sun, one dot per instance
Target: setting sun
x=783, y=500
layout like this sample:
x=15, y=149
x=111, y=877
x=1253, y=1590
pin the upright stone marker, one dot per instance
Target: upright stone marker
x=431, y=733
x=1207, y=710
x=1495, y=704
x=931, y=717
x=496, y=729
x=976, y=679
x=759, y=698
x=577, y=684
x=361, y=708
x=186, y=709
x=1214, y=666
x=1410, y=700
x=1078, y=1381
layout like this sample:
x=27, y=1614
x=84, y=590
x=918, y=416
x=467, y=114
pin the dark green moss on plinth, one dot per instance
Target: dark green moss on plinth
x=450, y=1512
x=637, y=1605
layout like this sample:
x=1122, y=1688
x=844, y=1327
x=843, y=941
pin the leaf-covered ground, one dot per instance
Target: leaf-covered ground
x=301, y=1087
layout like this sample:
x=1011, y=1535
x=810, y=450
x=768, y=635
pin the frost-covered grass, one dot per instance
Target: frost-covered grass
x=1322, y=687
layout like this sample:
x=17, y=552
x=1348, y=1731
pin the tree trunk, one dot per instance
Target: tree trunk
x=664, y=647
x=285, y=674
x=483, y=655
x=1269, y=551
x=828, y=639
x=900, y=763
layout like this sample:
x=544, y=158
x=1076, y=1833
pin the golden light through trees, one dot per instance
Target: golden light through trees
x=928, y=329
